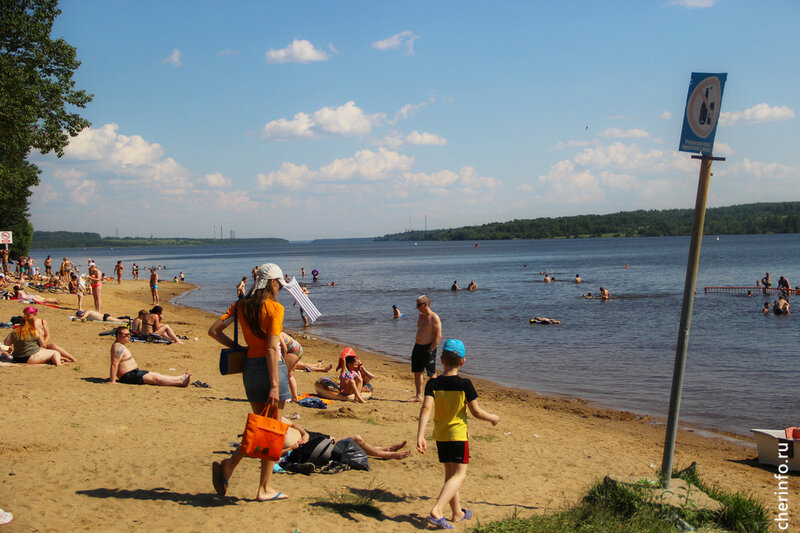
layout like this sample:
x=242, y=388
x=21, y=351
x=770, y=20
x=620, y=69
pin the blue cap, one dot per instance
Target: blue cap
x=455, y=346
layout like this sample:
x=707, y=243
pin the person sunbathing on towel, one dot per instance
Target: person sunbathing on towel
x=20, y=294
x=296, y=437
x=89, y=316
x=151, y=323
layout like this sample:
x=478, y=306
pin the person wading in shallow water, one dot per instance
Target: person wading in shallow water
x=429, y=333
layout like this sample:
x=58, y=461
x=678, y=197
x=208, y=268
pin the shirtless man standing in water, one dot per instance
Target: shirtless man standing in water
x=125, y=370
x=429, y=333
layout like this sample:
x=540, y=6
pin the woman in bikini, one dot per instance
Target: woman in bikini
x=151, y=323
x=96, y=281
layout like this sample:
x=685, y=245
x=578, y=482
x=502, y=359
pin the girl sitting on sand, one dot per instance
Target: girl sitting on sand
x=350, y=381
x=366, y=375
x=28, y=346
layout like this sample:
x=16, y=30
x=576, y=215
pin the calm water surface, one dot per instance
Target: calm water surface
x=742, y=370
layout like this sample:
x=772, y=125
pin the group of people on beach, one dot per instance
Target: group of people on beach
x=267, y=380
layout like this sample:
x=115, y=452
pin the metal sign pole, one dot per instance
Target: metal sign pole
x=686, y=315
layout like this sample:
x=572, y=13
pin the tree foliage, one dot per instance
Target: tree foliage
x=37, y=102
x=778, y=217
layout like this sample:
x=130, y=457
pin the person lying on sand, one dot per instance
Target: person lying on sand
x=313, y=367
x=19, y=294
x=89, y=316
x=125, y=370
x=296, y=437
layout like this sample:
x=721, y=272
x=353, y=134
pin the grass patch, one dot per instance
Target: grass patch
x=372, y=422
x=613, y=507
x=485, y=438
x=76, y=368
x=346, y=502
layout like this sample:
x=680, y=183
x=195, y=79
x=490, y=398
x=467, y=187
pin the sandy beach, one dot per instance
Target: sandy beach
x=78, y=454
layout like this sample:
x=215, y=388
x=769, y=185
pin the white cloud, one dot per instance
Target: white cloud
x=392, y=139
x=289, y=176
x=125, y=155
x=367, y=164
x=444, y=182
x=760, y=171
x=416, y=137
x=567, y=185
x=174, y=58
x=722, y=149
x=81, y=191
x=45, y=193
x=301, y=126
x=233, y=201
x=691, y=4
x=757, y=113
x=215, y=181
x=411, y=109
x=617, y=133
x=630, y=158
x=404, y=39
x=562, y=145
x=666, y=115
x=68, y=173
x=345, y=120
x=299, y=51
x=360, y=175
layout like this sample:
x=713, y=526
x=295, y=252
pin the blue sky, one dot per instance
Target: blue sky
x=308, y=120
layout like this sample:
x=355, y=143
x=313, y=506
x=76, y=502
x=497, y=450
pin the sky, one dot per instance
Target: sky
x=306, y=120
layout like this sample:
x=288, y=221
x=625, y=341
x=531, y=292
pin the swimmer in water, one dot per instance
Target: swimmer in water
x=578, y=278
x=396, y=312
x=604, y=294
x=544, y=320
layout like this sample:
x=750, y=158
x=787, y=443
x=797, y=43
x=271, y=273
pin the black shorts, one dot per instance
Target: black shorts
x=422, y=360
x=134, y=377
x=453, y=451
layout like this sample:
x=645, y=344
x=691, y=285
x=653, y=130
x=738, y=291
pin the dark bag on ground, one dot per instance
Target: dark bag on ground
x=317, y=450
x=347, y=452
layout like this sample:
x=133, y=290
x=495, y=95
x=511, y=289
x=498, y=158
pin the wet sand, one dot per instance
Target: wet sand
x=78, y=454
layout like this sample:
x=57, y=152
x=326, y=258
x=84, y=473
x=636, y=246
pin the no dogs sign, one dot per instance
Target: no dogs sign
x=6, y=237
x=702, y=112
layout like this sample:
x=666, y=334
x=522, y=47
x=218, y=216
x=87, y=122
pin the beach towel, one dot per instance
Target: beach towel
x=303, y=301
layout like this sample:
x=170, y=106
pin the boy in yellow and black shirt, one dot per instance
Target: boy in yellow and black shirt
x=451, y=395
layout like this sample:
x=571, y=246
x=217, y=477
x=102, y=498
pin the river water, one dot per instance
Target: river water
x=742, y=372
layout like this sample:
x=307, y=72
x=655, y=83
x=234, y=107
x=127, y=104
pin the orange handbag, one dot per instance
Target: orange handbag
x=264, y=435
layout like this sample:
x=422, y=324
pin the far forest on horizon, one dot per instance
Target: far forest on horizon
x=69, y=239
x=745, y=219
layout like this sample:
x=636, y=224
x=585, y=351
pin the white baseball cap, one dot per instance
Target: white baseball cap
x=266, y=272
